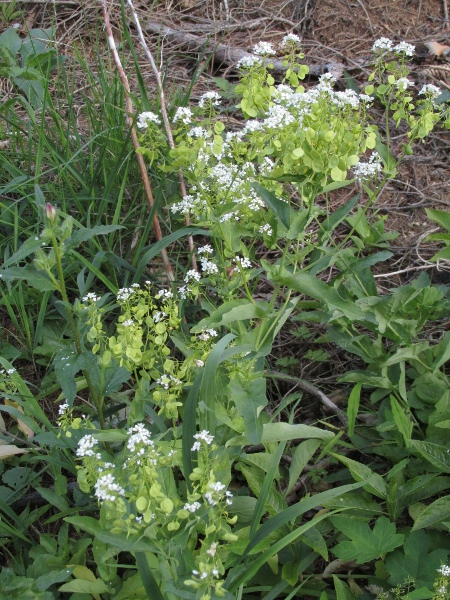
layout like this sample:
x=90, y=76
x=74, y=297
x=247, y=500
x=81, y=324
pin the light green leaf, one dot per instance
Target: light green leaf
x=300, y=458
x=353, y=407
x=82, y=586
x=402, y=419
x=283, y=432
x=343, y=592
x=360, y=472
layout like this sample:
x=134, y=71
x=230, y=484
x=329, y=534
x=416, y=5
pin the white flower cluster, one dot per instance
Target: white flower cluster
x=207, y=334
x=199, y=132
x=430, y=89
x=124, y=293
x=62, y=409
x=167, y=294
x=146, y=118
x=243, y=262
x=86, y=447
x=183, y=114
x=9, y=371
x=128, y=323
x=165, y=381
x=404, y=48
x=369, y=169
x=216, y=494
x=203, y=436
x=444, y=570
x=208, y=266
x=248, y=62
x=264, y=49
x=106, y=489
x=383, y=44
x=403, y=83
x=159, y=315
x=138, y=434
x=290, y=40
x=192, y=275
x=209, y=97
x=266, y=228
x=91, y=297
x=192, y=507
x=207, y=249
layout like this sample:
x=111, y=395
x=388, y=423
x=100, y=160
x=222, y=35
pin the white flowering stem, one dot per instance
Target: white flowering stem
x=134, y=139
x=166, y=121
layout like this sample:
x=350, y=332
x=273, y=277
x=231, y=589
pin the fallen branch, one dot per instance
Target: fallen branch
x=311, y=389
x=229, y=56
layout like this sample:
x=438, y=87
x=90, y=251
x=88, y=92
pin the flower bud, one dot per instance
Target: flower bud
x=50, y=211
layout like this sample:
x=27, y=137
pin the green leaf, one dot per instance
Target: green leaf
x=314, y=287
x=34, y=278
x=437, y=511
x=83, y=586
x=360, y=472
x=414, y=560
x=441, y=217
x=28, y=247
x=147, y=577
x=364, y=543
x=437, y=455
x=402, y=419
x=280, y=208
x=53, y=498
x=343, y=592
x=353, y=407
x=300, y=458
x=283, y=432
x=249, y=397
x=84, y=234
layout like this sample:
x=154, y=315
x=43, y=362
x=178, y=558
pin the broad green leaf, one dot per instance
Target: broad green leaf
x=437, y=455
x=422, y=487
x=243, y=507
x=52, y=497
x=353, y=407
x=360, y=472
x=315, y=540
x=230, y=312
x=34, y=278
x=366, y=544
x=283, y=432
x=279, y=207
x=441, y=217
x=437, y=511
x=85, y=234
x=28, y=247
x=314, y=287
x=417, y=559
x=300, y=458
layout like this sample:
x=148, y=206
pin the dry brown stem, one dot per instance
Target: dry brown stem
x=139, y=157
x=166, y=121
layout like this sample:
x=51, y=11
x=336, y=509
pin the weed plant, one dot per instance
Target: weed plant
x=164, y=475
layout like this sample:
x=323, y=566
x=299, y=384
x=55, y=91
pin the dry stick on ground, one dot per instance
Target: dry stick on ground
x=139, y=157
x=230, y=56
x=311, y=389
x=164, y=115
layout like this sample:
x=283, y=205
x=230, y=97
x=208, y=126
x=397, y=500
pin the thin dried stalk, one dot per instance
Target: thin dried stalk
x=167, y=126
x=130, y=111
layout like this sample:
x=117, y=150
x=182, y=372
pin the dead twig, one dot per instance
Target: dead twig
x=139, y=157
x=167, y=126
x=314, y=391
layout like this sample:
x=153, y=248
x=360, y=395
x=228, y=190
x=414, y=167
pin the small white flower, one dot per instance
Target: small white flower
x=10, y=371
x=146, y=118
x=444, y=570
x=383, y=44
x=183, y=114
x=207, y=334
x=128, y=323
x=267, y=229
x=248, y=62
x=243, y=262
x=199, y=363
x=212, y=549
x=264, y=49
x=205, y=436
x=184, y=291
x=62, y=409
x=369, y=169
x=403, y=83
x=207, y=249
x=164, y=294
x=192, y=507
x=192, y=275
x=86, y=445
x=290, y=40
x=208, y=266
x=404, y=48
x=430, y=89
x=106, y=489
x=124, y=294
x=209, y=97
x=91, y=297
x=199, y=132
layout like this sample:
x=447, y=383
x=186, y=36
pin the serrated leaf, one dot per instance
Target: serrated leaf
x=360, y=472
x=437, y=455
x=366, y=544
x=437, y=511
